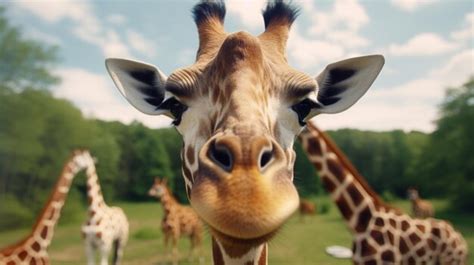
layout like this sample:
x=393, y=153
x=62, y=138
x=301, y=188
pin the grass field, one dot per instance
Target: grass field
x=297, y=243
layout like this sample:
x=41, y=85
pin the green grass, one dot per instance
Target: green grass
x=297, y=243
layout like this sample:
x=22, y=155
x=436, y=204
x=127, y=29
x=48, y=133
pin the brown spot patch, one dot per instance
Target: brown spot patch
x=391, y=237
x=436, y=232
x=44, y=232
x=392, y=223
x=431, y=244
x=414, y=238
x=187, y=173
x=370, y=262
x=377, y=236
x=405, y=225
x=379, y=222
x=403, y=247
x=363, y=220
x=22, y=255
x=421, y=252
x=318, y=165
x=313, y=147
x=366, y=249
x=217, y=254
x=344, y=207
x=411, y=260
x=328, y=184
x=355, y=194
x=98, y=234
x=32, y=261
x=36, y=246
x=336, y=169
x=421, y=228
x=388, y=255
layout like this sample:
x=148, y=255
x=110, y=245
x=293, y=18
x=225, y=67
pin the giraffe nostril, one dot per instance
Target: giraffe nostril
x=265, y=158
x=222, y=156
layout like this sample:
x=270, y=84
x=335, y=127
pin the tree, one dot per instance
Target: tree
x=447, y=165
x=24, y=63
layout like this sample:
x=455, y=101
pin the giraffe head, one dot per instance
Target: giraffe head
x=413, y=194
x=158, y=188
x=238, y=109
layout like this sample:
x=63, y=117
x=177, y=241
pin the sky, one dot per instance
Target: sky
x=428, y=46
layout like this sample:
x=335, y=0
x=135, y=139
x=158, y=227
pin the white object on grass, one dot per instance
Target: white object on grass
x=339, y=252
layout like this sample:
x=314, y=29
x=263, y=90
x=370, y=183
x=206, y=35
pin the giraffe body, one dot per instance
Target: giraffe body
x=381, y=234
x=238, y=109
x=33, y=249
x=420, y=208
x=106, y=229
x=178, y=220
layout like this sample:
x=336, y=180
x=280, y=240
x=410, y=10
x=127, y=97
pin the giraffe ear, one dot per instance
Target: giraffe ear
x=343, y=83
x=143, y=85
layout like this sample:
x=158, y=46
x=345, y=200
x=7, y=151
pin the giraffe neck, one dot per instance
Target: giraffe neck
x=227, y=254
x=168, y=202
x=94, y=193
x=356, y=201
x=43, y=230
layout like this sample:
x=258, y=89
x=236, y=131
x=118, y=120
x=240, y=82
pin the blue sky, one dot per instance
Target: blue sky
x=428, y=45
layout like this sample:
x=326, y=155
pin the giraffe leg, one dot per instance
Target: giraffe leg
x=90, y=253
x=104, y=253
x=175, y=249
x=118, y=251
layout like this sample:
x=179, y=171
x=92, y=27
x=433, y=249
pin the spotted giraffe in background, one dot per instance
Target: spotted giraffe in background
x=381, y=234
x=420, y=208
x=238, y=109
x=107, y=227
x=178, y=220
x=33, y=249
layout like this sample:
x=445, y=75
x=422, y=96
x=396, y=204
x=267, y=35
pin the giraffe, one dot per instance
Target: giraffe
x=238, y=109
x=33, y=248
x=178, y=220
x=381, y=234
x=420, y=208
x=106, y=228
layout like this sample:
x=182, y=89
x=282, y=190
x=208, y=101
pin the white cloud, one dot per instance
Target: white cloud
x=311, y=53
x=411, y=5
x=140, y=43
x=35, y=34
x=116, y=19
x=412, y=105
x=345, y=15
x=423, y=44
x=468, y=31
x=89, y=28
x=97, y=97
x=248, y=11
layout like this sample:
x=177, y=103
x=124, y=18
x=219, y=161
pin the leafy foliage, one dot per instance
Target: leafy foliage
x=25, y=63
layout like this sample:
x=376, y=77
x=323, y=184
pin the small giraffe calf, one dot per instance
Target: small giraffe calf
x=421, y=208
x=178, y=220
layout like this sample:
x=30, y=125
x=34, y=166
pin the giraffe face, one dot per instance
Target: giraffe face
x=158, y=188
x=413, y=194
x=238, y=109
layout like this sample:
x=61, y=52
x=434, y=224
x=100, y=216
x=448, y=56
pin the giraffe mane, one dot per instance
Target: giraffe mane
x=348, y=164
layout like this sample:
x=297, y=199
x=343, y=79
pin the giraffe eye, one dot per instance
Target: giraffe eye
x=176, y=109
x=303, y=108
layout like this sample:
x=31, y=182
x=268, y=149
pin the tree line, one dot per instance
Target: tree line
x=38, y=131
